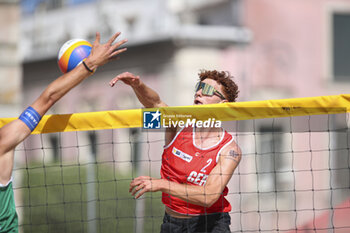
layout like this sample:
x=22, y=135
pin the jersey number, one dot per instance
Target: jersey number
x=208, y=163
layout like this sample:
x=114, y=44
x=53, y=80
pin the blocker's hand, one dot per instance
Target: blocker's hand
x=128, y=78
x=143, y=184
x=103, y=53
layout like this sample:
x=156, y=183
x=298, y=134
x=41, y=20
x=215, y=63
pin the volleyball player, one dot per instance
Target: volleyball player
x=197, y=163
x=16, y=131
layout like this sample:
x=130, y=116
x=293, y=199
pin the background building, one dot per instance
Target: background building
x=10, y=63
x=275, y=49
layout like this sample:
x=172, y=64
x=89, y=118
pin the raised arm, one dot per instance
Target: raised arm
x=146, y=95
x=205, y=195
x=16, y=131
x=100, y=54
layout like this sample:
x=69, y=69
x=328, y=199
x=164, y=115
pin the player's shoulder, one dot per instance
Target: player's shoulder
x=232, y=145
x=232, y=149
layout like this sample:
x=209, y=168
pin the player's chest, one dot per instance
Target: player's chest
x=191, y=165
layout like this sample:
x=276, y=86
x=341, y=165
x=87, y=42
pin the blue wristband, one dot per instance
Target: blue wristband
x=30, y=117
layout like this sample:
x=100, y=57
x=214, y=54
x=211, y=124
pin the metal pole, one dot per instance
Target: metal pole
x=140, y=203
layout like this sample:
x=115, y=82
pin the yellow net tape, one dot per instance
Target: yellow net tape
x=225, y=112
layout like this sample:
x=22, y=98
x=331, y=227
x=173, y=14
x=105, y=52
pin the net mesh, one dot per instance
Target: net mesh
x=293, y=176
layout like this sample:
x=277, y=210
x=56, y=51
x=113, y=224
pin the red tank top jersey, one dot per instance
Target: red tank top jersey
x=185, y=163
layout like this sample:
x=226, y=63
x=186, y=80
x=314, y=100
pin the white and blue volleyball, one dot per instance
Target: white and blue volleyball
x=72, y=53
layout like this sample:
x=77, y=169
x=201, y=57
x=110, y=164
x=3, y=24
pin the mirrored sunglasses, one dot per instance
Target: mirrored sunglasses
x=208, y=90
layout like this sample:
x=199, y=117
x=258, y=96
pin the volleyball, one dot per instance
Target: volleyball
x=72, y=53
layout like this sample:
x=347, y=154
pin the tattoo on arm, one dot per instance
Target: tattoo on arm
x=233, y=155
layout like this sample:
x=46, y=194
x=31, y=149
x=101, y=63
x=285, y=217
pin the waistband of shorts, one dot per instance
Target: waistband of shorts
x=192, y=219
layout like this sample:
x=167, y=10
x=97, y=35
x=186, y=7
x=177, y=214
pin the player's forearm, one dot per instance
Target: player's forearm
x=198, y=195
x=147, y=96
x=58, y=88
x=65, y=83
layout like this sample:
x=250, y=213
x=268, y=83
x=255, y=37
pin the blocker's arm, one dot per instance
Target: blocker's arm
x=16, y=131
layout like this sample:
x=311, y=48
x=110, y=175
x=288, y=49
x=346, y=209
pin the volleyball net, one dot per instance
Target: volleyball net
x=73, y=173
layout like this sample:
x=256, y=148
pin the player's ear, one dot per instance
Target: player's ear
x=224, y=101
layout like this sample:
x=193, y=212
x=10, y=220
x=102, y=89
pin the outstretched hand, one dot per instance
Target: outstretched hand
x=128, y=78
x=103, y=53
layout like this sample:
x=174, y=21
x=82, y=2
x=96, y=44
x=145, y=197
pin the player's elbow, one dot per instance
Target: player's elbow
x=160, y=104
x=210, y=200
x=155, y=103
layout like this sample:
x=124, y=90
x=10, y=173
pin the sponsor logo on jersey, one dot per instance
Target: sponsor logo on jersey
x=182, y=155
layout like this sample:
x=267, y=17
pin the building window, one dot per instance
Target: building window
x=216, y=13
x=341, y=46
x=54, y=4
